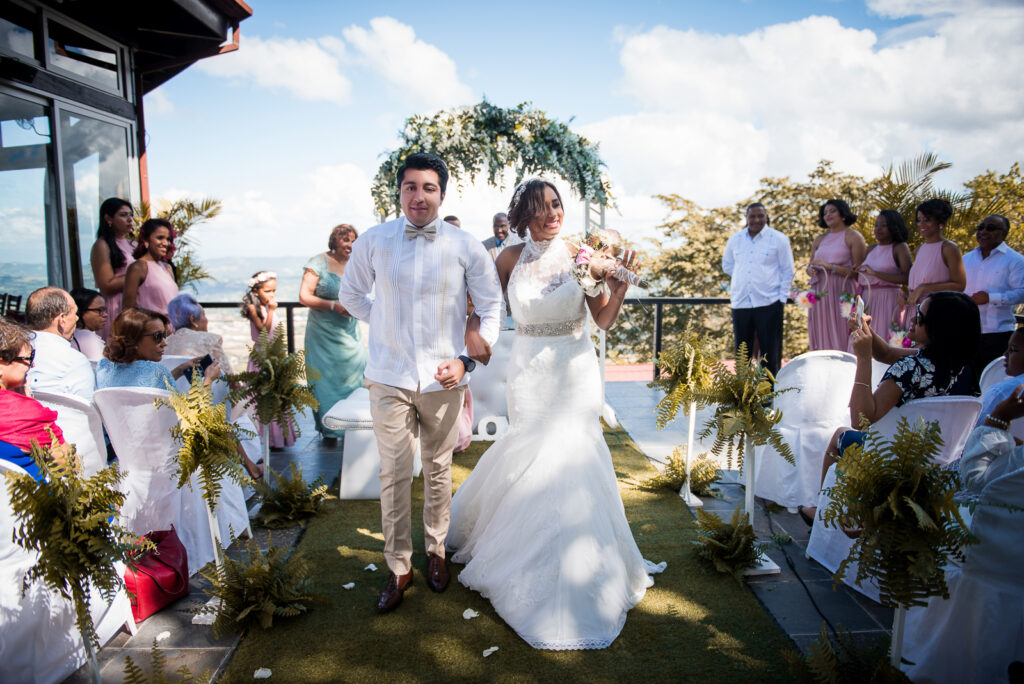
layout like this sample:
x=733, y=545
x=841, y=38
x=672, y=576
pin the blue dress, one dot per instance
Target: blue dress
x=334, y=347
x=135, y=374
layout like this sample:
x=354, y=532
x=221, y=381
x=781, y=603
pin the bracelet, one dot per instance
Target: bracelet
x=999, y=423
x=864, y=384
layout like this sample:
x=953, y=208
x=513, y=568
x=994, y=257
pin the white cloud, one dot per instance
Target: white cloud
x=158, y=104
x=417, y=72
x=309, y=69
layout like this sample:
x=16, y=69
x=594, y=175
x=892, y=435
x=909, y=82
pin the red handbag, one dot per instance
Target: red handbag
x=158, y=577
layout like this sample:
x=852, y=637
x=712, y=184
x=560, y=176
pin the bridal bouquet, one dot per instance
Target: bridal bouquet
x=599, y=257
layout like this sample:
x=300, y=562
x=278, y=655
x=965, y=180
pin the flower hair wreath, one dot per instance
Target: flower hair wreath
x=260, y=278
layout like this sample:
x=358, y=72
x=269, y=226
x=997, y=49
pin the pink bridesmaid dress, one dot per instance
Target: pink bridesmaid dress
x=114, y=301
x=928, y=266
x=882, y=295
x=826, y=327
x=280, y=436
x=158, y=289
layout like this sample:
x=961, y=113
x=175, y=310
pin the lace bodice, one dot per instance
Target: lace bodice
x=541, y=288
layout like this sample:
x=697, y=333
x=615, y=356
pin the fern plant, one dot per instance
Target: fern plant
x=134, y=674
x=742, y=401
x=844, y=661
x=67, y=520
x=727, y=547
x=276, y=388
x=257, y=587
x=902, y=503
x=289, y=501
x=687, y=375
x=208, y=441
x=703, y=474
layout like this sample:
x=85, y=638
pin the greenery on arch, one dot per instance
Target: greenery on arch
x=485, y=138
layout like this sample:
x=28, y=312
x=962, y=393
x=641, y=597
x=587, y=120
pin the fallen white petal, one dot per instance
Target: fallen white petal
x=262, y=673
x=469, y=614
x=490, y=650
x=371, y=567
x=350, y=585
x=163, y=635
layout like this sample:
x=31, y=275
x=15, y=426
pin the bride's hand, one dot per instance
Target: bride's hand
x=477, y=347
x=630, y=263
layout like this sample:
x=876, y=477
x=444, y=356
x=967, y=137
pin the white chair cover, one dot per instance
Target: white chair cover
x=82, y=426
x=956, y=415
x=147, y=453
x=975, y=634
x=994, y=373
x=488, y=382
x=39, y=641
x=809, y=418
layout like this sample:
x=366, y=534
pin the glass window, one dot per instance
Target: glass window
x=95, y=161
x=27, y=202
x=89, y=59
x=16, y=27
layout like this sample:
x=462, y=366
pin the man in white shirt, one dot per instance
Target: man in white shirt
x=759, y=261
x=494, y=245
x=995, y=281
x=58, y=367
x=420, y=270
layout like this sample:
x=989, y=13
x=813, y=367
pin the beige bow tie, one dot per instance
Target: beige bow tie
x=429, y=231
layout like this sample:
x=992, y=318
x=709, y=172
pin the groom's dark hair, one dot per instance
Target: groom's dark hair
x=424, y=161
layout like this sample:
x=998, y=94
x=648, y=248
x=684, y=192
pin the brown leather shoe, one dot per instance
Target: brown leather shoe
x=437, y=573
x=393, y=590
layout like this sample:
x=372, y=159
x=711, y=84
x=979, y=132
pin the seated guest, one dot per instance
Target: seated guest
x=23, y=420
x=991, y=450
x=59, y=367
x=92, y=317
x=190, y=336
x=1014, y=360
x=946, y=330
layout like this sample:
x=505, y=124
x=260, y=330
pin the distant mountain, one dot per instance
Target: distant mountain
x=232, y=274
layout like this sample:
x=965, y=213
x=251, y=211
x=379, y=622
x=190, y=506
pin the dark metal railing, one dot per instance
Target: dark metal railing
x=289, y=316
x=659, y=304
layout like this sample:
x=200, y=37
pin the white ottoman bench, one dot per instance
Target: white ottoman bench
x=360, y=460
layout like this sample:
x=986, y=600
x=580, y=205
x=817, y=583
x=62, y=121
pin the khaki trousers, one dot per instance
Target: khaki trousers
x=401, y=416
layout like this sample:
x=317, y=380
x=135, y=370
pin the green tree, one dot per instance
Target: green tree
x=1007, y=189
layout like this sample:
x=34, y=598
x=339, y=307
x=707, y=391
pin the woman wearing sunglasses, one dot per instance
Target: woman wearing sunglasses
x=92, y=317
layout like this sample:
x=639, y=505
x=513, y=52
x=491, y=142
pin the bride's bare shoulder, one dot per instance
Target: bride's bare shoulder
x=506, y=261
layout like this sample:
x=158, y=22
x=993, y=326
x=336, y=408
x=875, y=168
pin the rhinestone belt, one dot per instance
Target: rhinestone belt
x=550, y=329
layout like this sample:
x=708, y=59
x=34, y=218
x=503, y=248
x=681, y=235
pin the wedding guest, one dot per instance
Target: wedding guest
x=499, y=225
x=92, y=316
x=112, y=254
x=995, y=281
x=334, y=343
x=59, y=367
x=759, y=263
x=835, y=257
x=946, y=329
x=938, y=264
x=149, y=282
x=258, y=305
x=1013, y=357
x=991, y=450
x=453, y=219
x=23, y=420
x=884, y=271
x=191, y=336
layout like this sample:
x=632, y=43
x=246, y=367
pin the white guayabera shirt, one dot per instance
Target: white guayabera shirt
x=761, y=268
x=418, y=314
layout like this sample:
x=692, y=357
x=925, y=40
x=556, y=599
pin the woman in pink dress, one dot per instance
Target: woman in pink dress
x=885, y=268
x=258, y=305
x=149, y=282
x=835, y=257
x=112, y=254
x=938, y=263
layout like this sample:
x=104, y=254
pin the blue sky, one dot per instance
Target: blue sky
x=699, y=98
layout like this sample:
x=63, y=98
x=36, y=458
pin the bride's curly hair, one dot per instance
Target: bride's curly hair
x=528, y=203
x=126, y=333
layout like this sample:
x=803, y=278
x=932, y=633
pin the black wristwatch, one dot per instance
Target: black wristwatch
x=469, y=363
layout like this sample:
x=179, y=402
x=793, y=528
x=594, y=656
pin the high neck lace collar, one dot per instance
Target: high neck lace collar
x=537, y=248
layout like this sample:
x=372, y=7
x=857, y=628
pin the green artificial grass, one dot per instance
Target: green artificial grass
x=691, y=626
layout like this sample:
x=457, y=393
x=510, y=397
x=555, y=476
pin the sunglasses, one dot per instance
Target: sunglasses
x=27, y=360
x=919, y=318
x=987, y=228
x=158, y=337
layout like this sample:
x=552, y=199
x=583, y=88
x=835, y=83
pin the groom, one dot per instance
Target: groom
x=420, y=270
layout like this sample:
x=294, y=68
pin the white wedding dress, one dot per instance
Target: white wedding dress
x=539, y=522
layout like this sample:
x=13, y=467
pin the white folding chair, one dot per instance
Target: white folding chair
x=994, y=373
x=823, y=380
x=979, y=630
x=956, y=416
x=39, y=641
x=141, y=436
x=82, y=426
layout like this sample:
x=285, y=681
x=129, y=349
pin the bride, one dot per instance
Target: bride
x=539, y=522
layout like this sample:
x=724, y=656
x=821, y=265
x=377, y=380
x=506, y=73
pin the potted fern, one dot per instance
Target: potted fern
x=688, y=381
x=207, y=447
x=67, y=520
x=908, y=525
x=275, y=388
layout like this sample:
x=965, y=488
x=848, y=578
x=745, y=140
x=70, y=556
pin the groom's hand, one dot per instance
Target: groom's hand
x=450, y=373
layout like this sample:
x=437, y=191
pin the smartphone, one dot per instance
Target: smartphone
x=860, y=310
x=204, y=363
